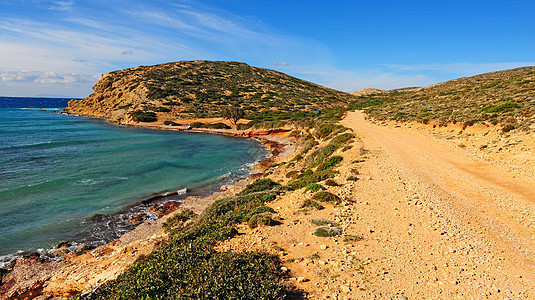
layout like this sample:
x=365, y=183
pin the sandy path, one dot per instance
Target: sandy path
x=465, y=227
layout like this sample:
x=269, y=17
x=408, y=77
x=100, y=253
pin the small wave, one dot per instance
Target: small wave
x=87, y=182
x=224, y=176
x=182, y=191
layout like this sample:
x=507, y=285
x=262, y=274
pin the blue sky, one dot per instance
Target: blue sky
x=60, y=48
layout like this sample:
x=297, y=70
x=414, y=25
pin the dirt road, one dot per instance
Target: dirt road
x=446, y=224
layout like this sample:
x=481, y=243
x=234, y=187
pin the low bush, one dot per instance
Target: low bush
x=331, y=162
x=352, y=238
x=144, y=116
x=323, y=221
x=259, y=186
x=307, y=178
x=327, y=231
x=314, y=187
x=327, y=197
x=313, y=204
x=163, y=109
x=170, y=123
x=218, y=126
x=500, y=107
x=292, y=174
x=244, y=126
x=260, y=219
x=188, y=267
x=352, y=178
x=178, y=219
x=331, y=182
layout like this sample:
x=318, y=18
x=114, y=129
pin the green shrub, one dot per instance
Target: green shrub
x=292, y=174
x=331, y=182
x=298, y=157
x=163, y=109
x=352, y=178
x=198, y=125
x=310, y=203
x=311, y=177
x=327, y=197
x=508, y=127
x=342, y=139
x=355, y=171
x=260, y=219
x=327, y=231
x=242, y=126
x=188, y=266
x=217, y=126
x=178, y=219
x=323, y=221
x=259, y=186
x=314, y=187
x=331, y=162
x=352, y=238
x=144, y=116
x=500, y=107
x=325, y=129
x=170, y=123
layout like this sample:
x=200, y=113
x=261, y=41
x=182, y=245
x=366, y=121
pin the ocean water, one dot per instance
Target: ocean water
x=69, y=178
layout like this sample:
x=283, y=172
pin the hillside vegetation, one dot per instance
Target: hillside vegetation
x=201, y=89
x=505, y=98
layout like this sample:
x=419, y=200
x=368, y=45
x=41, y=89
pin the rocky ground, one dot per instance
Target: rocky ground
x=433, y=215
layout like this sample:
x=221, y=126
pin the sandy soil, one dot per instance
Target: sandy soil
x=437, y=221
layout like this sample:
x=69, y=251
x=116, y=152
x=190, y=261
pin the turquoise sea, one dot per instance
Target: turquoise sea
x=77, y=179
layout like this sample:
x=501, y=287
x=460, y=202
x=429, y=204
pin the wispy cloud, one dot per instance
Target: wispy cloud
x=280, y=64
x=62, y=5
x=45, y=77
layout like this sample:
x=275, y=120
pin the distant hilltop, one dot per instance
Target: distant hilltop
x=201, y=89
x=366, y=92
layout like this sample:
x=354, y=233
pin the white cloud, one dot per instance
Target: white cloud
x=127, y=52
x=62, y=5
x=46, y=77
x=280, y=64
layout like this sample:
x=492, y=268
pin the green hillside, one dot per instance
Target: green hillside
x=200, y=89
x=504, y=98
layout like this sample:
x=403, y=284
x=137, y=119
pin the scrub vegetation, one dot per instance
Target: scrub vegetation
x=504, y=98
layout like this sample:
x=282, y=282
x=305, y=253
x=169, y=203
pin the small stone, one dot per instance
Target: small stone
x=401, y=297
x=323, y=247
x=345, y=289
x=284, y=269
x=301, y=279
x=62, y=245
x=138, y=218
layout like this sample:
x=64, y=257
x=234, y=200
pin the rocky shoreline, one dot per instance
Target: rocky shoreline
x=81, y=272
